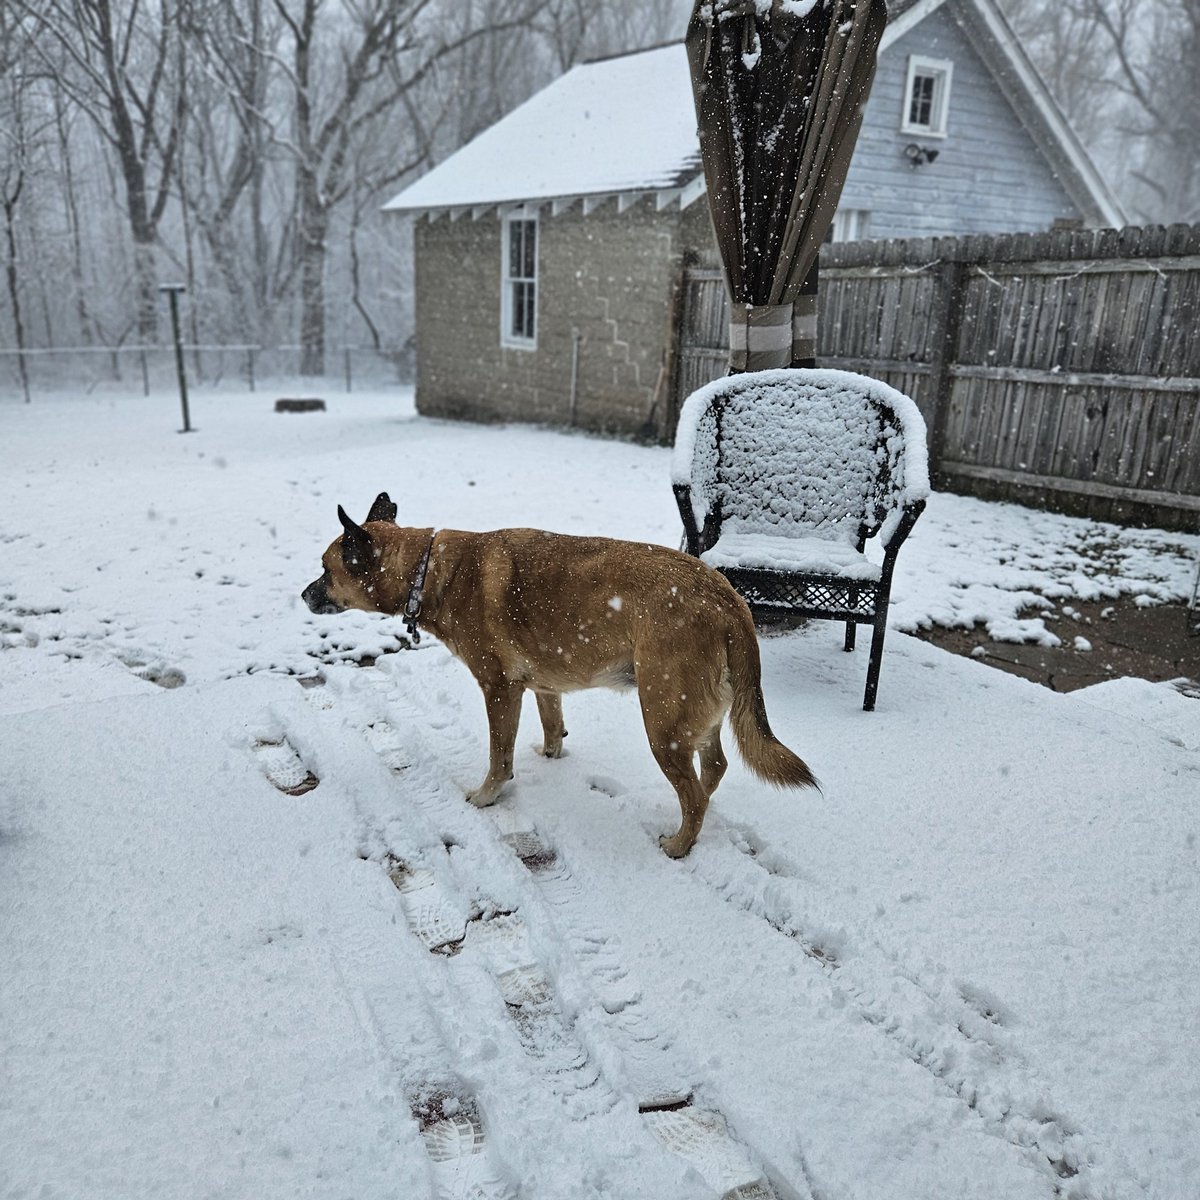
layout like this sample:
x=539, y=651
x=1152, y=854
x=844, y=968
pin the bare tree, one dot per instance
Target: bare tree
x=224, y=164
x=1155, y=70
x=122, y=63
x=249, y=145
x=576, y=30
x=1127, y=74
x=21, y=131
x=347, y=70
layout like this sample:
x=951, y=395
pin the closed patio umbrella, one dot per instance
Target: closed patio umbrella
x=780, y=87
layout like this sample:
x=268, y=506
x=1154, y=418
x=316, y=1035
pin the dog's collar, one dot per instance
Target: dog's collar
x=412, y=606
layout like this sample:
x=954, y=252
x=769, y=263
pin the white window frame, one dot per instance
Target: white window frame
x=511, y=285
x=850, y=225
x=941, y=70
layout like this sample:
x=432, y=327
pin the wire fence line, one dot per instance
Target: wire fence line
x=25, y=372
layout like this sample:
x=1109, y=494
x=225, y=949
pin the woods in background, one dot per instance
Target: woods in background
x=244, y=147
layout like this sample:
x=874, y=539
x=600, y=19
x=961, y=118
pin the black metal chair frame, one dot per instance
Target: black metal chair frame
x=829, y=597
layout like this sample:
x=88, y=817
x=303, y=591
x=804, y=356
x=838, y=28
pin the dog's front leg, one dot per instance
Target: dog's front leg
x=503, y=700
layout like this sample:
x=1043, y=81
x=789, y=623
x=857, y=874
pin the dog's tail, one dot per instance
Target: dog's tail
x=762, y=751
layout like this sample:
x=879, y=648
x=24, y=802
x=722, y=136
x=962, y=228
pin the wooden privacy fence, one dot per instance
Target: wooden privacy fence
x=1060, y=369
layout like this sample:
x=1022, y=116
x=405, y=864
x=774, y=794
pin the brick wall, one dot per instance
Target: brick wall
x=609, y=275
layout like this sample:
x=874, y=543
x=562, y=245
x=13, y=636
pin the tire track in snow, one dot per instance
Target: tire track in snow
x=426, y=839
x=407, y=1037
x=956, y=1034
x=626, y=1042
x=502, y=940
x=463, y=1163
x=666, y=1101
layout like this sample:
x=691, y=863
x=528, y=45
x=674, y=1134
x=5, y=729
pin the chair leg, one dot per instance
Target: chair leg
x=850, y=631
x=875, y=660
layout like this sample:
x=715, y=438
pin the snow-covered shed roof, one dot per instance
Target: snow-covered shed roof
x=626, y=126
x=608, y=127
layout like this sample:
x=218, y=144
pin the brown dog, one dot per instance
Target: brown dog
x=552, y=613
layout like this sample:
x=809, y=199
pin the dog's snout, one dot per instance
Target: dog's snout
x=317, y=598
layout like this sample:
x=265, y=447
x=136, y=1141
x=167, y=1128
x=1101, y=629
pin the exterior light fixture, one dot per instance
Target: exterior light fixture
x=920, y=154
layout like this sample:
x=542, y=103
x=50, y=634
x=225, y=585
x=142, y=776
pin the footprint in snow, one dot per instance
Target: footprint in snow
x=284, y=768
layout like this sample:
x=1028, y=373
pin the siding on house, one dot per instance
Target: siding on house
x=608, y=275
x=970, y=188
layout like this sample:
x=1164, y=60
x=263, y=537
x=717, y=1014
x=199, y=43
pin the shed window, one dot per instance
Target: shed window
x=518, y=303
x=927, y=96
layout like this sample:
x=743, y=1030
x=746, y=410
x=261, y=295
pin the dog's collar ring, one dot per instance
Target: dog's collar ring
x=412, y=606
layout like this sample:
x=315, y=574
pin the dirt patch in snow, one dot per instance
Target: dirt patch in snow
x=1100, y=640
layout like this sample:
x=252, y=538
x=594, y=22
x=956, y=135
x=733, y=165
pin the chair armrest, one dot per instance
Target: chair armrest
x=683, y=498
x=908, y=518
x=697, y=538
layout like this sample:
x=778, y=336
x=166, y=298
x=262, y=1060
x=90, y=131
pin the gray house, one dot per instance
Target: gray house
x=551, y=251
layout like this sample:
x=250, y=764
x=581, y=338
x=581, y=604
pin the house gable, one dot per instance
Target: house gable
x=1013, y=72
x=989, y=174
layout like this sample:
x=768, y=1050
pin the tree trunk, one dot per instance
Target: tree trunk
x=314, y=226
x=14, y=294
x=147, y=294
x=71, y=204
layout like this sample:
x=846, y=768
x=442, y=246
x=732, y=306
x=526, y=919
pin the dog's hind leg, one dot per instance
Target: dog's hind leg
x=693, y=800
x=550, y=710
x=503, y=699
x=712, y=762
x=674, y=748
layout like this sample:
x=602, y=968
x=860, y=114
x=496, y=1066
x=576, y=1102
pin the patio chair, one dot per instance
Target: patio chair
x=783, y=476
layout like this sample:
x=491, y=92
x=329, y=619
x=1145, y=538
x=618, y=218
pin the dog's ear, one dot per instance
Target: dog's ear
x=358, y=555
x=382, y=510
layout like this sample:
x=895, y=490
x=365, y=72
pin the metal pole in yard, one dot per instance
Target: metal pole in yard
x=250, y=366
x=172, y=290
x=349, y=381
x=145, y=372
x=576, y=338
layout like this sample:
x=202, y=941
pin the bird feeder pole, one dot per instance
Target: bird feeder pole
x=172, y=291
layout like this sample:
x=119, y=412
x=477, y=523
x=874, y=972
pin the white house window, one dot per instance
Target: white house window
x=927, y=96
x=518, y=301
x=850, y=225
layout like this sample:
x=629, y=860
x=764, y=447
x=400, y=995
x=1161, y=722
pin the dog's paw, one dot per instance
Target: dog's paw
x=675, y=847
x=539, y=748
x=484, y=796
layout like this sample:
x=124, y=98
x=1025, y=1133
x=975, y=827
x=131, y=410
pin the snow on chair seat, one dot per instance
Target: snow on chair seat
x=778, y=552
x=782, y=477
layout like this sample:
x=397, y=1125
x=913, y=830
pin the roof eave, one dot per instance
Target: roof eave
x=684, y=192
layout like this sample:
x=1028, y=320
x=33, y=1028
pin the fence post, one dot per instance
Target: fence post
x=250, y=367
x=145, y=372
x=951, y=275
x=349, y=381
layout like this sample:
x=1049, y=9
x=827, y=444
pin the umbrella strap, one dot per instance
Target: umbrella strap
x=762, y=336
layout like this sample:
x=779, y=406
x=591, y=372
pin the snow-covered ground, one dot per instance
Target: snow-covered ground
x=255, y=944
